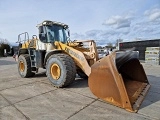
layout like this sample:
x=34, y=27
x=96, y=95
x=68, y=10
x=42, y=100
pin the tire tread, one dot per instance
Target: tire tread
x=70, y=68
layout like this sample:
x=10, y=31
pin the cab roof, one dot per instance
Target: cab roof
x=50, y=23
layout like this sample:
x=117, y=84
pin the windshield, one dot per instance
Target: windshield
x=56, y=33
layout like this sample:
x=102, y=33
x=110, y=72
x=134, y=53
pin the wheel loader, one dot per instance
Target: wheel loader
x=118, y=78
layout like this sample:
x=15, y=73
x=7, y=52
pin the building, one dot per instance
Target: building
x=139, y=46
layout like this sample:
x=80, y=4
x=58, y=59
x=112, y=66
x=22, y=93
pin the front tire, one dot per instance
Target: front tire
x=81, y=74
x=61, y=70
x=24, y=66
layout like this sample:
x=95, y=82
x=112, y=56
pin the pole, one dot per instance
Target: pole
x=159, y=52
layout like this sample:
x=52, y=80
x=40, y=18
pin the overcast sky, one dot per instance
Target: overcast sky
x=101, y=20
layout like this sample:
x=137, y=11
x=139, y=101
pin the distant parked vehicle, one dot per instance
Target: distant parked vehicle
x=103, y=53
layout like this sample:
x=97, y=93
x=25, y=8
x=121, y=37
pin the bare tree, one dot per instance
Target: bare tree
x=3, y=41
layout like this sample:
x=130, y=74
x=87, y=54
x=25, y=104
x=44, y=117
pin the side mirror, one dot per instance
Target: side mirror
x=42, y=37
x=69, y=33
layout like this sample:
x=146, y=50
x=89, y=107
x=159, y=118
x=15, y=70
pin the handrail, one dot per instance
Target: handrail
x=25, y=39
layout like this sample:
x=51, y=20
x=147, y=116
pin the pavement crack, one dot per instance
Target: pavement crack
x=35, y=96
x=13, y=104
x=18, y=86
x=152, y=118
x=26, y=117
x=79, y=93
x=81, y=109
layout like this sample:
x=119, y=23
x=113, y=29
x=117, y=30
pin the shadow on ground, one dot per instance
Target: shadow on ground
x=77, y=83
x=153, y=96
x=42, y=74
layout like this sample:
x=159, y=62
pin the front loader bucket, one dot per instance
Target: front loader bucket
x=123, y=84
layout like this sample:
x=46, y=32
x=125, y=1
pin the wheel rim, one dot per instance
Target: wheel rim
x=21, y=66
x=55, y=71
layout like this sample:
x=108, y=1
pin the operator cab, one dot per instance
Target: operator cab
x=50, y=31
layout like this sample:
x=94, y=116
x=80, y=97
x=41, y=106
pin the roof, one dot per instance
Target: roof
x=139, y=41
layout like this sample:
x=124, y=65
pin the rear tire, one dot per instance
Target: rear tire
x=61, y=70
x=24, y=66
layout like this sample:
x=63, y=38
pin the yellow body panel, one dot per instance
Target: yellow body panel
x=77, y=55
x=27, y=43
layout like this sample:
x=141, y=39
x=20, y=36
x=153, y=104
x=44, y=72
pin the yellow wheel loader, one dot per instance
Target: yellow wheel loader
x=118, y=78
